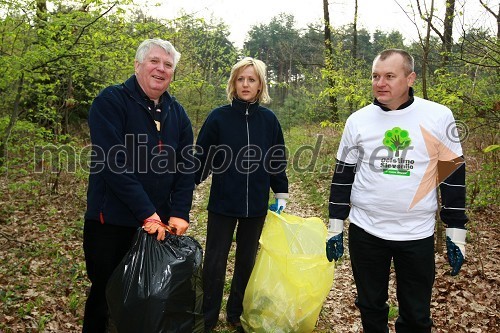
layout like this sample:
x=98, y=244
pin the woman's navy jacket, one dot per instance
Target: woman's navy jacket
x=241, y=144
x=135, y=169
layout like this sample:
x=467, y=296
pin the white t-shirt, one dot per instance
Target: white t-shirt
x=394, y=191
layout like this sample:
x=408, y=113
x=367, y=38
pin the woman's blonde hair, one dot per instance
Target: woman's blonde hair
x=260, y=69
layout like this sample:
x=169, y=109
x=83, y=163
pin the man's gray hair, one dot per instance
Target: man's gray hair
x=146, y=46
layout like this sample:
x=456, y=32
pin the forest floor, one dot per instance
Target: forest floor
x=43, y=282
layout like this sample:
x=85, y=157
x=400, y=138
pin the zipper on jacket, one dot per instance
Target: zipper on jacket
x=158, y=133
x=162, y=123
x=248, y=157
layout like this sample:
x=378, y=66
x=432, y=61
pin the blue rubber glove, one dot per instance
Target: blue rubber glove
x=455, y=248
x=335, y=240
x=278, y=206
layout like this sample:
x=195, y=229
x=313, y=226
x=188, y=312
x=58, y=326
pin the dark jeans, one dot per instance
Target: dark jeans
x=415, y=269
x=220, y=230
x=104, y=246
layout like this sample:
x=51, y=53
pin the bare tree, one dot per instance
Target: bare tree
x=497, y=16
x=447, y=42
x=427, y=17
x=482, y=50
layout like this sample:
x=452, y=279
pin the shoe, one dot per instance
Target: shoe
x=236, y=326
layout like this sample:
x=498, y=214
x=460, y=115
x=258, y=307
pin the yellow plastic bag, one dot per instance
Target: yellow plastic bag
x=291, y=277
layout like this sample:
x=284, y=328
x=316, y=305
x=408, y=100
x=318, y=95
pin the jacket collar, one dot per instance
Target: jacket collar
x=243, y=106
x=402, y=106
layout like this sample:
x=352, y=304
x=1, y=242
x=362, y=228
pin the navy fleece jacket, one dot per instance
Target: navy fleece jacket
x=242, y=145
x=137, y=170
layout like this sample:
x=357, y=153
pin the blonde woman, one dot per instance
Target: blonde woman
x=241, y=144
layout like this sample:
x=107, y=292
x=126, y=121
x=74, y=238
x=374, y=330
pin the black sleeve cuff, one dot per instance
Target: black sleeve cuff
x=340, y=190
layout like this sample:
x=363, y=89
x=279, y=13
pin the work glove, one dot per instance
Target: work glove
x=455, y=248
x=178, y=226
x=278, y=206
x=153, y=224
x=335, y=240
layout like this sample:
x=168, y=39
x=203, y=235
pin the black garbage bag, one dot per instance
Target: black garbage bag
x=157, y=287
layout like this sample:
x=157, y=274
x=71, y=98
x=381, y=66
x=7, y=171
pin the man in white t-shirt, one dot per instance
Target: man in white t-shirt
x=393, y=155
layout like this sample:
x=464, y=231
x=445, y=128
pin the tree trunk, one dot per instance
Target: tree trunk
x=328, y=32
x=446, y=48
x=448, y=31
x=354, y=43
x=4, y=143
x=425, y=61
x=355, y=31
x=329, y=60
x=426, y=51
x=68, y=104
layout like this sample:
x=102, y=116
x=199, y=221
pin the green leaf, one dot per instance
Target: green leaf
x=491, y=148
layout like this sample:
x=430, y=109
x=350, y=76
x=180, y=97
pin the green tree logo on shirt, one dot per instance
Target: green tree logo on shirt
x=397, y=139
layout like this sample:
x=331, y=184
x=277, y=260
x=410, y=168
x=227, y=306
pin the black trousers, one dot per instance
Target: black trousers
x=220, y=230
x=415, y=270
x=104, y=246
